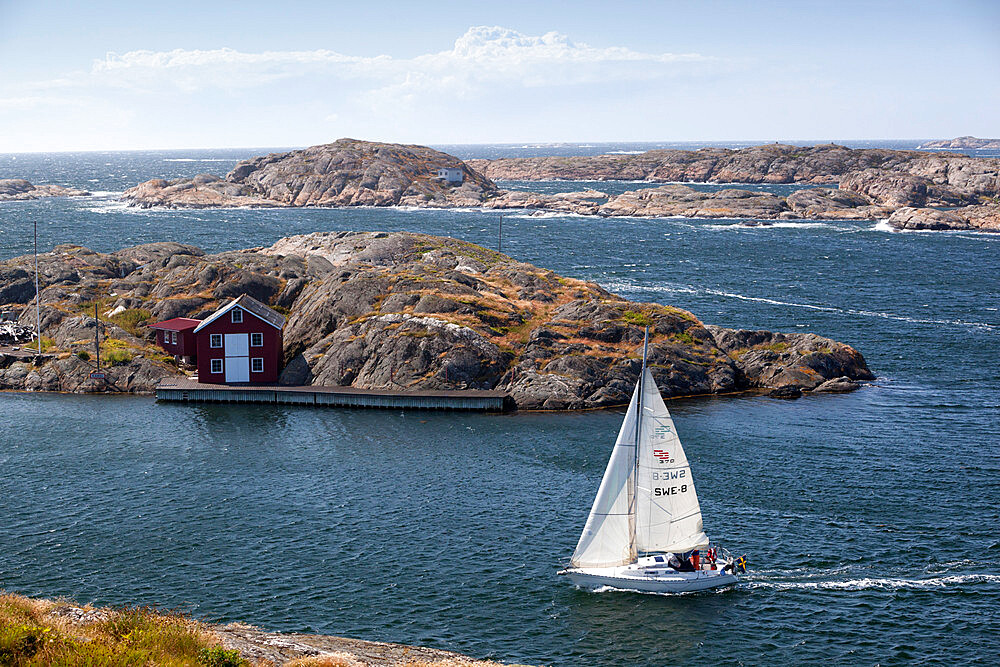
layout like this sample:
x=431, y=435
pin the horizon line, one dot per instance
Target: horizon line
x=538, y=143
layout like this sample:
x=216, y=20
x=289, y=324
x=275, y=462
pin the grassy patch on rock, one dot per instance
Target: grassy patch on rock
x=33, y=632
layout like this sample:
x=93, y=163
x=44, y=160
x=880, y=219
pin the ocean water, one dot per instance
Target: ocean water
x=870, y=520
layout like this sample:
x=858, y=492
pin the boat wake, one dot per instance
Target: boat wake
x=874, y=583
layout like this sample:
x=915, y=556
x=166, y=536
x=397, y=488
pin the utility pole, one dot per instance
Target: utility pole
x=500, y=235
x=38, y=295
x=97, y=341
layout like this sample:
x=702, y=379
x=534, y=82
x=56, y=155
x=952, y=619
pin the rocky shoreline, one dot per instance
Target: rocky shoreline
x=909, y=189
x=19, y=189
x=399, y=311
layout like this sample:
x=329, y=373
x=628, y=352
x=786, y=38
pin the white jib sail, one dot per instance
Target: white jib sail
x=668, y=516
x=606, y=539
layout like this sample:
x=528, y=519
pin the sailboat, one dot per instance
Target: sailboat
x=644, y=532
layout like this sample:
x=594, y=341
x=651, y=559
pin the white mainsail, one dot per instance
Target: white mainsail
x=647, y=507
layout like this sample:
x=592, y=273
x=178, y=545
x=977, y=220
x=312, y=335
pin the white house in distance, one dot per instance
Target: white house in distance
x=451, y=174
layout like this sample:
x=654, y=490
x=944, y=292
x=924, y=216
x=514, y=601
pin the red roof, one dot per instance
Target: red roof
x=176, y=324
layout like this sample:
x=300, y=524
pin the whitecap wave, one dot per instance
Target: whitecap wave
x=198, y=159
x=884, y=226
x=784, y=224
x=631, y=287
x=546, y=215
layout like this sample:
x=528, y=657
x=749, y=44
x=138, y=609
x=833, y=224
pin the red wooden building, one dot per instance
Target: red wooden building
x=240, y=343
x=176, y=337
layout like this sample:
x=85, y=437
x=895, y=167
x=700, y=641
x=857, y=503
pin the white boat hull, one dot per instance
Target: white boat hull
x=628, y=579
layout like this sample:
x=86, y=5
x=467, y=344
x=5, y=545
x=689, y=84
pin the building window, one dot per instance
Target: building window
x=173, y=338
x=215, y=340
x=237, y=315
x=257, y=364
x=256, y=340
x=165, y=337
x=216, y=366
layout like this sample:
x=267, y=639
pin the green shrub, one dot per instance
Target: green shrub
x=220, y=657
x=686, y=338
x=117, y=357
x=83, y=355
x=132, y=319
x=637, y=318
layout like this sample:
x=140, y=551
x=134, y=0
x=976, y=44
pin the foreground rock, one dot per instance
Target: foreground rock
x=347, y=172
x=39, y=631
x=962, y=143
x=18, y=189
x=401, y=311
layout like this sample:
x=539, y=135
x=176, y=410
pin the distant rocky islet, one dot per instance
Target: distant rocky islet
x=19, y=189
x=910, y=189
x=962, y=143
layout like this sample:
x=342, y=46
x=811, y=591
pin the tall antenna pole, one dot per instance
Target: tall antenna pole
x=97, y=341
x=38, y=296
x=500, y=235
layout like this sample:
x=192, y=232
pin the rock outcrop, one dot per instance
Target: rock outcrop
x=347, y=172
x=872, y=184
x=985, y=217
x=18, y=189
x=687, y=202
x=961, y=143
x=401, y=311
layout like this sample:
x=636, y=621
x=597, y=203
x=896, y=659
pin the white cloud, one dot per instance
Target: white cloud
x=492, y=81
x=482, y=55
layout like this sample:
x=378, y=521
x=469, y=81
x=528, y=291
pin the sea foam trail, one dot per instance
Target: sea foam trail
x=628, y=287
x=877, y=583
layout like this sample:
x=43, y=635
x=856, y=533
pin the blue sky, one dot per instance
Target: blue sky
x=115, y=75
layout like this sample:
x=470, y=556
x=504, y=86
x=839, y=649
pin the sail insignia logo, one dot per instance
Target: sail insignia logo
x=661, y=431
x=661, y=454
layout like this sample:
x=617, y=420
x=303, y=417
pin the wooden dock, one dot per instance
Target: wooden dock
x=189, y=391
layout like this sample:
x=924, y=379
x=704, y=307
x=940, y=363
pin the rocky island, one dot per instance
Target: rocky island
x=19, y=189
x=347, y=172
x=927, y=190
x=398, y=311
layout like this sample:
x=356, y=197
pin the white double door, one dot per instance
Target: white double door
x=237, y=347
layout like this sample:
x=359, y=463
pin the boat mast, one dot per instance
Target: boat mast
x=634, y=485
